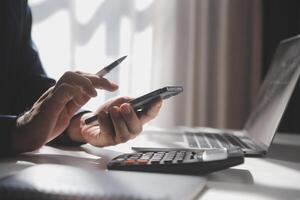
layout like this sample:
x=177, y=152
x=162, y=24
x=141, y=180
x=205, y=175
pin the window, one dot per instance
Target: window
x=88, y=35
x=200, y=45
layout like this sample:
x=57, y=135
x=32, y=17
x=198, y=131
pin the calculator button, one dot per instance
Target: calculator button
x=155, y=161
x=169, y=155
x=136, y=154
x=142, y=162
x=129, y=162
x=158, y=156
x=167, y=161
x=115, y=162
x=133, y=158
x=120, y=159
x=179, y=156
x=146, y=156
x=188, y=155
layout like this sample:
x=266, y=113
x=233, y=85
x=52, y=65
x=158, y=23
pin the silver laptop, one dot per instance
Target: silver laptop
x=260, y=127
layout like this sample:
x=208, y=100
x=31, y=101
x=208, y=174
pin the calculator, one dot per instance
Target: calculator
x=189, y=162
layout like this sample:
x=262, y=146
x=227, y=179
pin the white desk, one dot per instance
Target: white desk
x=276, y=176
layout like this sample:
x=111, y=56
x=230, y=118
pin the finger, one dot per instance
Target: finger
x=74, y=105
x=57, y=100
x=76, y=79
x=120, y=100
x=91, y=134
x=107, y=133
x=106, y=123
x=100, y=82
x=115, y=102
x=121, y=130
x=133, y=123
x=151, y=111
x=44, y=95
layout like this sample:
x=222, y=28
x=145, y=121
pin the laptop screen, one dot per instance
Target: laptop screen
x=275, y=92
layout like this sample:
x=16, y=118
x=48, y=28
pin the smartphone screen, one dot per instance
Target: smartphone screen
x=163, y=93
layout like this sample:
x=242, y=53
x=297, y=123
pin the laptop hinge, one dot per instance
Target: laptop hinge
x=258, y=144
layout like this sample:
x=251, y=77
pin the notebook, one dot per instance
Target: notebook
x=60, y=182
x=258, y=132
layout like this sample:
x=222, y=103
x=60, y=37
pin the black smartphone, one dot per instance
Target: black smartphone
x=141, y=102
x=164, y=93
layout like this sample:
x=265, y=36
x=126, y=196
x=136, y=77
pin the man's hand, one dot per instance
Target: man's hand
x=118, y=122
x=52, y=112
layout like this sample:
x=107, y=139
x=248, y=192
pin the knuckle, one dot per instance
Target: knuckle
x=68, y=74
x=125, y=98
x=77, y=72
x=64, y=86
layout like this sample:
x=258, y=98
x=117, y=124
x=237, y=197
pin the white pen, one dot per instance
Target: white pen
x=102, y=73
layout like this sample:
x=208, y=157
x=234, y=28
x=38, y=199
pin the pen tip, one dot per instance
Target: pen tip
x=122, y=58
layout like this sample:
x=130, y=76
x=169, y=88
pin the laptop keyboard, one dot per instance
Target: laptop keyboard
x=209, y=140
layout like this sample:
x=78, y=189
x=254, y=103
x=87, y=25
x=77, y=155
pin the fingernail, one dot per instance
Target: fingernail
x=126, y=109
x=159, y=105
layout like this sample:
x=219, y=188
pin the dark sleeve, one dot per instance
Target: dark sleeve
x=30, y=71
x=7, y=123
x=23, y=68
x=41, y=82
x=22, y=78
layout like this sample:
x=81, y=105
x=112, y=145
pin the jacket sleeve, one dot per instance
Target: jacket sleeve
x=23, y=79
x=34, y=80
x=29, y=76
x=7, y=123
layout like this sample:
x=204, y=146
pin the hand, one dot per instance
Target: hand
x=51, y=113
x=118, y=122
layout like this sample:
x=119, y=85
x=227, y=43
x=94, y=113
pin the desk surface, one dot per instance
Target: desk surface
x=276, y=176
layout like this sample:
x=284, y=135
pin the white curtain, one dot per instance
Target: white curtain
x=210, y=47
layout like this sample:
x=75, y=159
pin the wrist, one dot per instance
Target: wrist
x=20, y=140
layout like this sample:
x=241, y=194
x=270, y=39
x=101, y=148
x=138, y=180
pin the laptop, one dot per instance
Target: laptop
x=257, y=134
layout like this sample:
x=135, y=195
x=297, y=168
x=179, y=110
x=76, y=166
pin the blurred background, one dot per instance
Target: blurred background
x=218, y=50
